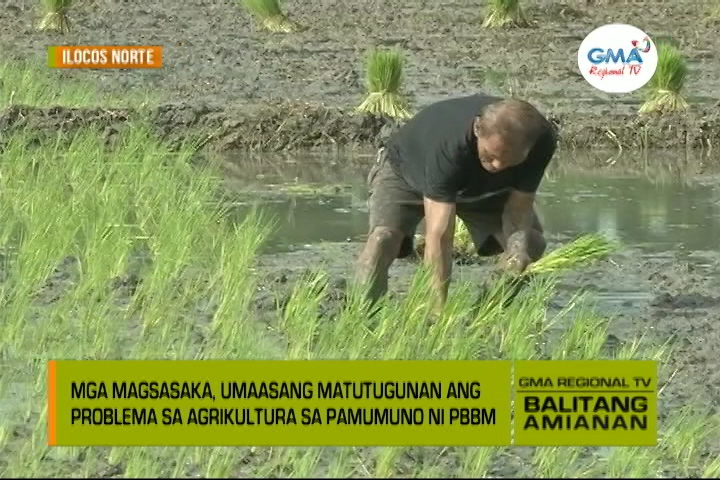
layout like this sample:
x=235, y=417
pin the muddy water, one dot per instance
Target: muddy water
x=665, y=208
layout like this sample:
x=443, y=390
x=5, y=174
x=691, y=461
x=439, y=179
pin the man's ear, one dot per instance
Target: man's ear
x=476, y=126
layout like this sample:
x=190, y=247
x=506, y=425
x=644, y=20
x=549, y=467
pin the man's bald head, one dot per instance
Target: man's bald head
x=506, y=132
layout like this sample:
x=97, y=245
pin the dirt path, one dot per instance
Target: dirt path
x=223, y=75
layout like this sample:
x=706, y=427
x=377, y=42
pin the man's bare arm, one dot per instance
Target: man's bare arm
x=439, y=231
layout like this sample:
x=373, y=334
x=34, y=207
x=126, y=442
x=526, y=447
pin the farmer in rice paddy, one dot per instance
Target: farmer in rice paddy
x=478, y=157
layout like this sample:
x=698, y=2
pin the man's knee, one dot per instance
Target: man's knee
x=386, y=240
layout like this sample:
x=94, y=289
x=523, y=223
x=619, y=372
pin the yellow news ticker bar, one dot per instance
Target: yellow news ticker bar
x=351, y=403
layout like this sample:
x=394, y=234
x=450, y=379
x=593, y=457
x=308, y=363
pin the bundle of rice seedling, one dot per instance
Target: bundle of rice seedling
x=581, y=251
x=504, y=13
x=55, y=18
x=383, y=78
x=665, y=87
x=463, y=246
x=271, y=15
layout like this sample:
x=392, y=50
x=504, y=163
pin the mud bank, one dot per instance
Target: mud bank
x=294, y=126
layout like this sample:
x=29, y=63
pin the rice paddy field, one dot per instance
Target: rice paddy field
x=149, y=214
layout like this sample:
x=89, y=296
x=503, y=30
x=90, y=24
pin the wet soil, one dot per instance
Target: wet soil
x=254, y=89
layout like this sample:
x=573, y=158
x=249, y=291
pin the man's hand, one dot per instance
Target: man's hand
x=439, y=231
x=514, y=263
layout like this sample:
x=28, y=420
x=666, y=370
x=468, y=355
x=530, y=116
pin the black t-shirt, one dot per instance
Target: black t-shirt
x=436, y=153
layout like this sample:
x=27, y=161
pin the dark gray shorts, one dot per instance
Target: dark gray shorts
x=395, y=204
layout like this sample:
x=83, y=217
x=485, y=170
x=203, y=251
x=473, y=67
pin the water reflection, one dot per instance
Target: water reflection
x=658, y=207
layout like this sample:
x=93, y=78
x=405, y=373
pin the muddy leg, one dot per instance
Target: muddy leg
x=382, y=247
x=536, y=246
x=395, y=210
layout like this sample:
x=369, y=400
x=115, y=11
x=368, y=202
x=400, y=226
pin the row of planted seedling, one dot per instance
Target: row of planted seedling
x=384, y=71
x=384, y=67
x=499, y=13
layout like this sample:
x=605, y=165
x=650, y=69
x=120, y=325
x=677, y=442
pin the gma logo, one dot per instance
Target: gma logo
x=597, y=56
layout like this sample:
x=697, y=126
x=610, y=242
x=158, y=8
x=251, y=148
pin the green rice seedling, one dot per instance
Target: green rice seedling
x=711, y=469
x=525, y=321
x=462, y=242
x=504, y=13
x=56, y=18
x=631, y=462
x=300, y=317
x=631, y=350
x=388, y=339
x=142, y=464
x=272, y=17
x=37, y=202
x=383, y=79
x=685, y=435
x=220, y=462
x=581, y=251
x=386, y=461
x=557, y=462
x=305, y=461
x=476, y=461
x=664, y=91
x=341, y=464
x=31, y=84
x=584, y=339
x=102, y=208
x=443, y=339
x=23, y=83
x=347, y=336
x=232, y=287
x=463, y=246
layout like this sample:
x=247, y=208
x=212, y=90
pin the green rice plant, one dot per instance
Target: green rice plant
x=685, y=435
x=341, y=464
x=462, y=242
x=518, y=336
x=300, y=317
x=383, y=79
x=631, y=462
x=55, y=19
x=272, y=17
x=711, y=469
x=29, y=83
x=584, y=339
x=557, y=462
x=664, y=91
x=504, y=13
x=581, y=251
x=476, y=461
x=386, y=461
